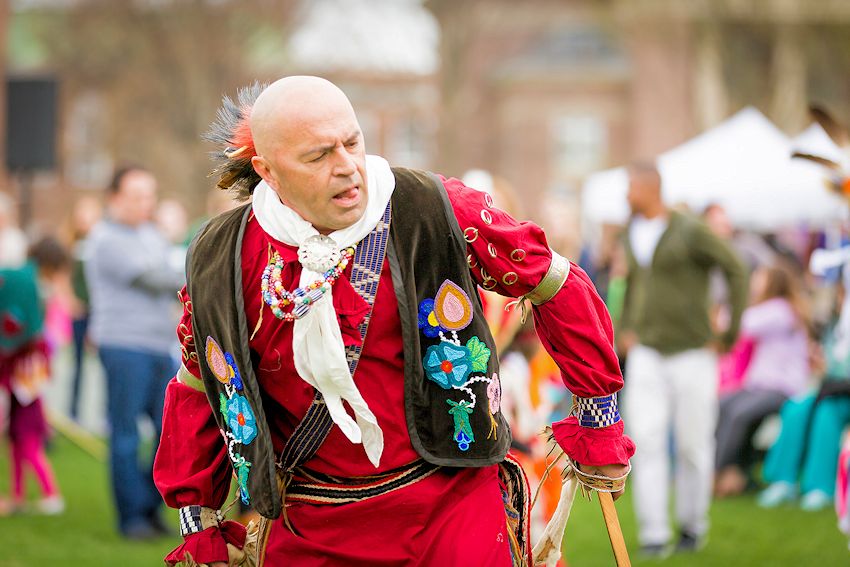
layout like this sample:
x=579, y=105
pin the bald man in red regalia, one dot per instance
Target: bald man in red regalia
x=337, y=364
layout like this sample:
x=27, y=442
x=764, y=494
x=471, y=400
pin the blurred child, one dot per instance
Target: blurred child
x=776, y=321
x=810, y=439
x=24, y=370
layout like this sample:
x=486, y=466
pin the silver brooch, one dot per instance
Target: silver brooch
x=319, y=253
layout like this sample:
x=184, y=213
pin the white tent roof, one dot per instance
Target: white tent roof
x=391, y=36
x=743, y=164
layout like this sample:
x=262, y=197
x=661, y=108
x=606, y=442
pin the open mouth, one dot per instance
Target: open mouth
x=348, y=197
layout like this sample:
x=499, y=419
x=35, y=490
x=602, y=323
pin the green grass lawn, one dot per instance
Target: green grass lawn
x=84, y=535
x=742, y=534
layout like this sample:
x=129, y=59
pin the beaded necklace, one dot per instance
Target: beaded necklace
x=302, y=298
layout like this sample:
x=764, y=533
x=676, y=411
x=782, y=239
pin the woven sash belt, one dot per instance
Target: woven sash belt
x=315, y=488
x=516, y=498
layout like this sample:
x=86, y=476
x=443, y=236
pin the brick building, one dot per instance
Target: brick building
x=543, y=92
x=539, y=92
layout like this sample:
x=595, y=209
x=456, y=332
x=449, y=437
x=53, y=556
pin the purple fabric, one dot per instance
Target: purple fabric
x=27, y=420
x=780, y=360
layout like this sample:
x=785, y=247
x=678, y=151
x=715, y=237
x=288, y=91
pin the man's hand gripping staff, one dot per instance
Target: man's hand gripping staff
x=607, y=481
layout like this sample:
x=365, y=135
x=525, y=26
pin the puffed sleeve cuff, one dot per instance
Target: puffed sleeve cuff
x=209, y=545
x=593, y=446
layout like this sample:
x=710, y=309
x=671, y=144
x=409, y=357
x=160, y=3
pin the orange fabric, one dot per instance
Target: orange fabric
x=543, y=370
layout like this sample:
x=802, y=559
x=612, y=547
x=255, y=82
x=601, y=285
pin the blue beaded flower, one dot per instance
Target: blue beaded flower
x=241, y=420
x=448, y=364
x=236, y=378
x=428, y=320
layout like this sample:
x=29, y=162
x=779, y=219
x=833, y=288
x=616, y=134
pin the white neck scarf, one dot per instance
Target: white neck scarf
x=316, y=338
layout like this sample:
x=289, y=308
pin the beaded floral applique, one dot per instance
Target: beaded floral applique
x=455, y=366
x=236, y=410
x=463, y=430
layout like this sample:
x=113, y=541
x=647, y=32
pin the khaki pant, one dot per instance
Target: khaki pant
x=663, y=394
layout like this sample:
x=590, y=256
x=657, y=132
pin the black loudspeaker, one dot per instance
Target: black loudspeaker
x=30, y=123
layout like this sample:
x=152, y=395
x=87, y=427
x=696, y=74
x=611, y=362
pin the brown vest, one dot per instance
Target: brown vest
x=450, y=361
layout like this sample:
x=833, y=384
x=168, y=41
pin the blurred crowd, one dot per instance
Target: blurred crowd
x=735, y=348
x=103, y=285
x=736, y=357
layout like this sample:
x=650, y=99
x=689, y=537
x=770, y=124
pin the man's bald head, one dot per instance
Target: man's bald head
x=644, y=194
x=283, y=106
x=310, y=150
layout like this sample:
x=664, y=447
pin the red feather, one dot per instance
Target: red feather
x=242, y=135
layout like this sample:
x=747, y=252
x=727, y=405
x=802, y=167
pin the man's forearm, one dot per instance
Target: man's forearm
x=158, y=280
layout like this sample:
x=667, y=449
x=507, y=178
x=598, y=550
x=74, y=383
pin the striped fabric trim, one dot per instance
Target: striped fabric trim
x=194, y=519
x=517, y=501
x=365, y=275
x=312, y=488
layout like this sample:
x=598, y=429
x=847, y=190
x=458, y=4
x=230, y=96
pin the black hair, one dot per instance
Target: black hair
x=645, y=170
x=122, y=172
x=50, y=254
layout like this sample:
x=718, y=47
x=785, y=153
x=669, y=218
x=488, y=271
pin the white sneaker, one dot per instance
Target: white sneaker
x=51, y=506
x=777, y=493
x=815, y=500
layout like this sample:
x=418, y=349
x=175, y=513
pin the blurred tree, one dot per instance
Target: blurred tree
x=828, y=56
x=158, y=69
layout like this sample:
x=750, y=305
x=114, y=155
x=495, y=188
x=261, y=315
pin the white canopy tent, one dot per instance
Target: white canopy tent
x=743, y=164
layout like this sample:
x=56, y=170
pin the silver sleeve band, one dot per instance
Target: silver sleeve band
x=552, y=282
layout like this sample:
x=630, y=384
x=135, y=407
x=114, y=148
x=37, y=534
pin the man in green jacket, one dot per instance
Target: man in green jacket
x=671, y=369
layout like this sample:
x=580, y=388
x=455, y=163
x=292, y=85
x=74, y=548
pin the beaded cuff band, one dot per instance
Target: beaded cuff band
x=194, y=519
x=596, y=412
x=553, y=281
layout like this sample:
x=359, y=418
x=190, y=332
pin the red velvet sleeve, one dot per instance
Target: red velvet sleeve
x=191, y=465
x=511, y=258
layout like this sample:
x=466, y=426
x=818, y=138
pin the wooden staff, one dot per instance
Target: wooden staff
x=547, y=551
x=615, y=533
x=77, y=435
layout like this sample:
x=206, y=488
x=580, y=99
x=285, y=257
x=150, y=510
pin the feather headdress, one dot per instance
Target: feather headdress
x=838, y=175
x=231, y=132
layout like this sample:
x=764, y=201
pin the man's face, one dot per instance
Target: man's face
x=135, y=200
x=719, y=223
x=635, y=195
x=643, y=193
x=317, y=166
